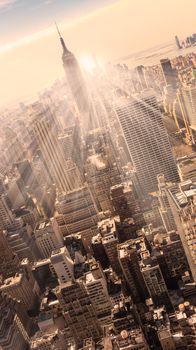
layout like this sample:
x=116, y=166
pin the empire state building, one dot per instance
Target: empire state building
x=77, y=84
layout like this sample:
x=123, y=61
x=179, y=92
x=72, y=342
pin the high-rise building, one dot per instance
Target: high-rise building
x=169, y=73
x=62, y=265
x=141, y=76
x=99, y=252
x=9, y=261
x=96, y=287
x=108, y=231
x=147, y=140
x=21, y=240
x=177, y=42
x=100, y=176
x=53, y=155
x=80, y=317
x=129, y=262
x=76, y=84
x=187, y=101
x=164, y=207
x=22, y=288
x=175, y=258
x=47, y=239
x=156, y=284
x=14, y=151
x=182, y=203
x=6, y=215
x=16, y=193
x=125, y=203
x=77, y=214
x=13, y=334
x=48, y=341
x=27, y=174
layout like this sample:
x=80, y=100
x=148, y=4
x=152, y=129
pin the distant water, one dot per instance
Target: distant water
x=154, y=55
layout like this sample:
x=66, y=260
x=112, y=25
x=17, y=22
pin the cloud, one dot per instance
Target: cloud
x=6, y=3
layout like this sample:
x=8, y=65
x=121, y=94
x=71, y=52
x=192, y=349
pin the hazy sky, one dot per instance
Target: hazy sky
x=30, y=53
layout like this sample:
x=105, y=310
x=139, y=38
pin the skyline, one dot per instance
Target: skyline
x=31, y=61
x=97, y=175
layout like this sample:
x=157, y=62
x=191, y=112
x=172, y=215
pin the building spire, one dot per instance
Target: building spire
x=65, y=50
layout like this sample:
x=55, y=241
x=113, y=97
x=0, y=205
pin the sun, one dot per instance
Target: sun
x=87, y=63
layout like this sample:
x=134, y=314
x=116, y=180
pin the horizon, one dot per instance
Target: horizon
x=31, y=61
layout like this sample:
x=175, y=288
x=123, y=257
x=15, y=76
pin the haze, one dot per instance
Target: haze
x=30, y=53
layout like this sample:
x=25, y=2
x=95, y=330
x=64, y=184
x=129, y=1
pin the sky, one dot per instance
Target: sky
x=30, y=53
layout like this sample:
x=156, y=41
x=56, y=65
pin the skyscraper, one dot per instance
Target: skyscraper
x=129, y=263
x=6, y=215
x=169, y=73
x=76, y=83
x=13, y=334
x=53, y=154
x=81, y=321
x=147, y=139
x=177, y=42
x=141, y=77
x=9, y=261
x=187, y=101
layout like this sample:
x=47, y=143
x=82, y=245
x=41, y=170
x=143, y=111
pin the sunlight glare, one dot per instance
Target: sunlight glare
x=87, y=63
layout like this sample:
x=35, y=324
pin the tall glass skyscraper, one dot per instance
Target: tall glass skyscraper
x=147, y=139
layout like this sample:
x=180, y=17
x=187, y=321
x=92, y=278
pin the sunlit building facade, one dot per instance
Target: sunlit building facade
x=147, y=139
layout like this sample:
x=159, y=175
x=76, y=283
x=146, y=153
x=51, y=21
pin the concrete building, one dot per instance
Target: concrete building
x=186, y=98
x=77, y=213
x=189, y=104
x=140, y=71
x=175, y=256
x=96, y=287
x=133, y=339
x=129, y=263
x=48, y=341
x=156, y=284
x=16, y=193
x=100, y=176
x=29, y=215
x=21, y=240
x=81, y=321
x=107, y=229
x=182, y=202
x=124, y=316
x=13, y=334
x=62, y=265
x=125, y=203
x=53, y=154
x=146, y=139
x=169, y=73
x=20, y=288
x=187, y=167
x=26, y=171
x=47, y=239
x=6, y=216
x=164, y=207
x=99, y=252
x=14, y=148
x=9, y=261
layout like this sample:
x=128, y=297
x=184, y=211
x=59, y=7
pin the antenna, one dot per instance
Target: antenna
x=58, y=31
x=61, y=39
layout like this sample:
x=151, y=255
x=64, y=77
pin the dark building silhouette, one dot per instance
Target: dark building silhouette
x=170, y=74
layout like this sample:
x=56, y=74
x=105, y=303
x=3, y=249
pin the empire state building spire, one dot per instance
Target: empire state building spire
x=76, y=83
x=65, y=50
